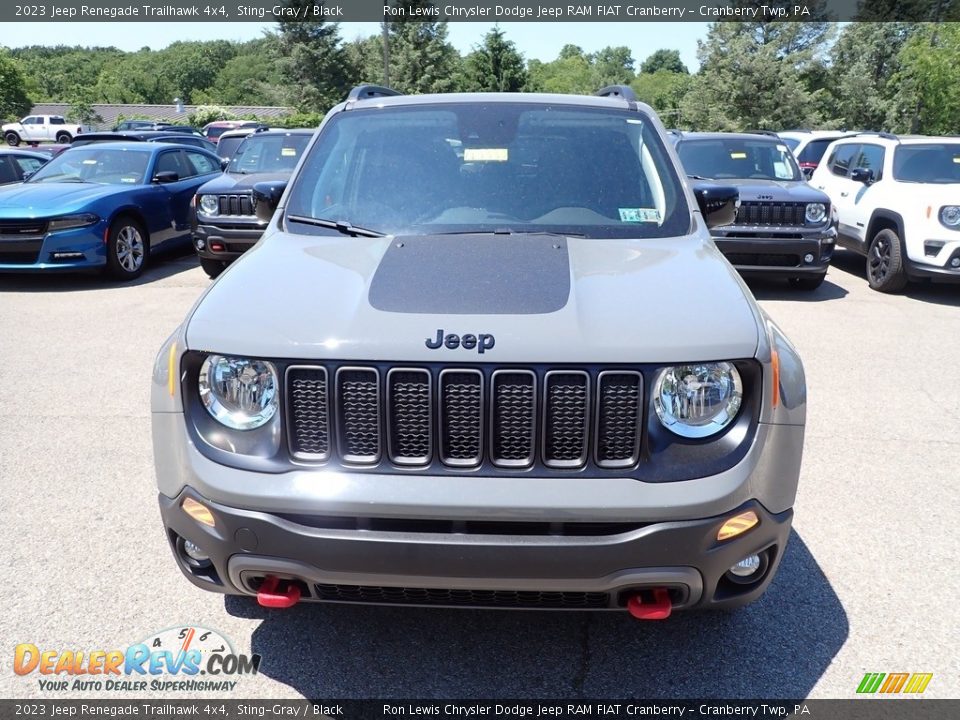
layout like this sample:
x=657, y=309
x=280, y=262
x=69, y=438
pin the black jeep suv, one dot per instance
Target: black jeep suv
x=224, y=222
x=784, y=227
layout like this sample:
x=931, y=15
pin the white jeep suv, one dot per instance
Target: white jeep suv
x=898, y=202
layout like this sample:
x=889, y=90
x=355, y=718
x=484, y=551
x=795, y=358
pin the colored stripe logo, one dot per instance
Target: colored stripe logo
x=894, y=683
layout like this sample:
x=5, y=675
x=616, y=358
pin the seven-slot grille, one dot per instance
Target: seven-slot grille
x=771, y=213
x=512, y=418
x=236, y=205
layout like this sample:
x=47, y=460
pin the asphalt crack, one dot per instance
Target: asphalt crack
x=580, y=677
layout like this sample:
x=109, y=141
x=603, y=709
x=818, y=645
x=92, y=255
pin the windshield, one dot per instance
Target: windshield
x=497, y=167
x=268, y=153
x=738, y=158
x=227, y=146
x=95, y=165
x=927, y=163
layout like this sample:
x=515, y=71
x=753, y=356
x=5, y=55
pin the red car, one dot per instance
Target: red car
x=213, y=130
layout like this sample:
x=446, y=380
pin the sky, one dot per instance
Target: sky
x=540, y=41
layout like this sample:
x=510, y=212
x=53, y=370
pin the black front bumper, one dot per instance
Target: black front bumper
x=760, y=252
x=384, y=561
x=235, y=235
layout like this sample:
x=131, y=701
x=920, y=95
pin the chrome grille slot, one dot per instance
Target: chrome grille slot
x=461, y=417
x=409, y=421
x=513, y=418
x=307, y=397
x=566, y=405
x=619, y=418
x=358, y=414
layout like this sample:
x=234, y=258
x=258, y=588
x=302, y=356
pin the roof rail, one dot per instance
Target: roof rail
x=622, y=91
x=762, y=132
x=365, y=92
x=884, y=135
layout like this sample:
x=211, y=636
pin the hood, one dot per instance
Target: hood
x=46, y=199
x=239, y=183
x=550, y=300
x=755, y=190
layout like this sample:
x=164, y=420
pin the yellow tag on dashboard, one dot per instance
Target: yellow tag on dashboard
x=486, y=155
x=288, y=152
x=738, y=156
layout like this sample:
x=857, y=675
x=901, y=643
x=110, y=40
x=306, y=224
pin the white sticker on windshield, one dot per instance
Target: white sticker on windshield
x=486, y=154
x=639, y=215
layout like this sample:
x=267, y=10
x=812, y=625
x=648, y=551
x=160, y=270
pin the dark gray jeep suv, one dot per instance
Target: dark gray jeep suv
x=784, y=228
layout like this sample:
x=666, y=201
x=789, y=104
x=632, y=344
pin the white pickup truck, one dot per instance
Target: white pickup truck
x=42, y=128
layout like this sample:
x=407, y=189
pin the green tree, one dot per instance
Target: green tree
x=495, y=65
x=312, y=62
x=664, y=91
x=668, y=60
x=612, y=66
x=865, y=59
x=928, y=82
x=422, y=60
x=365, y=60
x=754, y=75
x=14, y=102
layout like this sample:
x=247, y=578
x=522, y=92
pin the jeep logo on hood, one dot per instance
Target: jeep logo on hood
x=481, y=342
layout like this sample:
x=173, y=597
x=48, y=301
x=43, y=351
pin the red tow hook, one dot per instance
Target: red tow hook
x=268, y=596
x=659, y=609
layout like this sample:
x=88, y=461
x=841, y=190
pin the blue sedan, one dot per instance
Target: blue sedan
x=102, y=206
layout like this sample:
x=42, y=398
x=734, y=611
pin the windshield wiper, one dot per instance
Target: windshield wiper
x=698, y=177
x=341, y=226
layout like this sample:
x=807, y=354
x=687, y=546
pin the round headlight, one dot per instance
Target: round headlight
x=816, y=212
x=696, y=401
x=950, y=216
x=210, y=204
x=238, y=392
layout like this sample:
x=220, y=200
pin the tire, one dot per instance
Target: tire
x=212, y=268
x=807, y=283
x=885, y=263
x=64, y=138
x=128, y=248
x=12, y=139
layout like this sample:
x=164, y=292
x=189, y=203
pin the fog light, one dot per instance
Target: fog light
x=743, y=569
x=200, y=244
x=808, y=258
x=955, y=262
x=737, y=525
x=193, y=551
x=68, y=256
x=198, y=512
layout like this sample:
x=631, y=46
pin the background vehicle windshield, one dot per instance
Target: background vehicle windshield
x=268, y=153
x=95, y=165
x=933, y=163
x=227, y=146
x=739, y=159
x=504, y=167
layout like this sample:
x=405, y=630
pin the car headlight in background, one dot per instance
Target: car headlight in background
x=950, y=216
x=699, y=400
x=816, y=212
x=66, y=222
x=239, y=392
x=210, y=204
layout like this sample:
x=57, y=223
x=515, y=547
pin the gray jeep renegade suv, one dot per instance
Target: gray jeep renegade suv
x=485, y=355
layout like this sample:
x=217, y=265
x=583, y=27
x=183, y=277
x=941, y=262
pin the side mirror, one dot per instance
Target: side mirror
x=718, y=204
x=862, y=175
x=26, y=175
x=166, y=176
x=266, y=197
x=224, y=162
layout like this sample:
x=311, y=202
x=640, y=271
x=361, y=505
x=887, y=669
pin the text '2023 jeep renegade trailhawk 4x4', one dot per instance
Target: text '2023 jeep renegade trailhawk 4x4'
x=485, y=355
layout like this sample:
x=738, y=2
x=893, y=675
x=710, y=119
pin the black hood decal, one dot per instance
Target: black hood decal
x=473, y=275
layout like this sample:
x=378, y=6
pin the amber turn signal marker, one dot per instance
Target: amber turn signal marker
x=775, y=366
x=198, y=512
x=171, y=362
x=737, y=525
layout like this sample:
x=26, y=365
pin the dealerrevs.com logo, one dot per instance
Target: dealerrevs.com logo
x=894, y=683
x=187, y=659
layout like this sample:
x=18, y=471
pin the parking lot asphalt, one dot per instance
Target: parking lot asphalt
x=869, y=582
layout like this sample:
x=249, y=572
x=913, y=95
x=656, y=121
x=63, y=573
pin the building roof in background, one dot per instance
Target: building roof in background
x=157, y=113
